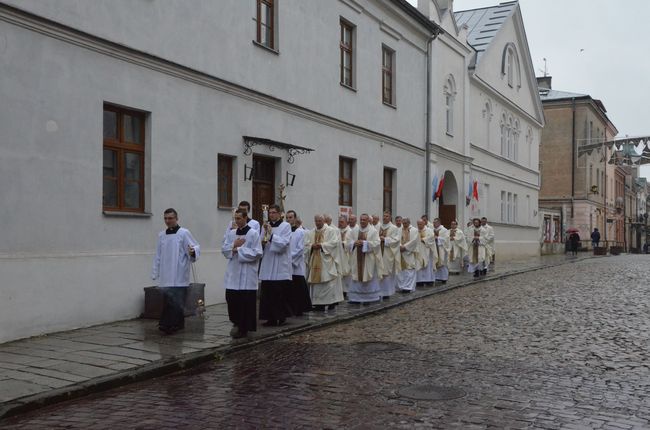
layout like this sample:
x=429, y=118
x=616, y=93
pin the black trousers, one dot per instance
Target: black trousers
x=297, y=295
x=173, y=312
x=273, y=301
x=242, y=309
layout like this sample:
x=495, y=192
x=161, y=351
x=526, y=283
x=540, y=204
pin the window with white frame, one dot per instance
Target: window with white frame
x=450, y=95
x=514, y=208
x=509, y=208
x=504, y=213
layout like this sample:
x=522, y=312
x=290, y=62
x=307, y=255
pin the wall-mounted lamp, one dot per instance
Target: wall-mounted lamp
x=290, y=179
x=248, y=173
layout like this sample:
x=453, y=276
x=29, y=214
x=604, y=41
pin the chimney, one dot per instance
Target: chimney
x=544, y=82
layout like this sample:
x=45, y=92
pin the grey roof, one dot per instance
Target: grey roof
x=545, y=94
x=483, y=24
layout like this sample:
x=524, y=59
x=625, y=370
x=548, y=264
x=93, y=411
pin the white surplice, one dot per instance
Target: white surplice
x=276, y=261
x=241, y=273
x=406, y=277
x=171, y=264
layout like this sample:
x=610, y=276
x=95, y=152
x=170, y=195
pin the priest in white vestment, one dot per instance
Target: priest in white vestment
x=426, y=255
x=346, y=278
x=441, y=235
x=476, y=250
x=457, y=249
x=490, y=250
x=275, y=270
x=298, y=295
x=389, y=236
x=469, y=232
x=406, y=277
x=243, y=249
x=175, y=252
x=321, y=250
x=366, y=263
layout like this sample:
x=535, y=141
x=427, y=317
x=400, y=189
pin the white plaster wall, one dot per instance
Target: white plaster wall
x=66, y=265
x=216, y=37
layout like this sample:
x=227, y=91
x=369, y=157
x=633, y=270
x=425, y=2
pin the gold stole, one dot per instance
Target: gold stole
x=316, y=263
x=360, y=257
x=403, y=240
x=452, y=237
x=382, y=235
x=475, y=242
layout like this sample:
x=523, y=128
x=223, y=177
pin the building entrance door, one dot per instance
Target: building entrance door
x=263, y=184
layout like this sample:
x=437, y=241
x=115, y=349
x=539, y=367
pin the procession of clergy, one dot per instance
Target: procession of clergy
x=364, y=260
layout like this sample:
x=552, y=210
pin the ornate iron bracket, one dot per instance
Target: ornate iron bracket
x=292, y=150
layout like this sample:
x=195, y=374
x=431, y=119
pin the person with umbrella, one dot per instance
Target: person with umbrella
x=574, y=240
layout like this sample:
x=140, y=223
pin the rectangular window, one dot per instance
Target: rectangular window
x=547, y=229
x=266, y=23
x=387, y=75
x=346, y=167
x=509, y=208
x=388, y=189
x=123, y=167
x=556, y=229
x=514, y=208
x=504, y=213
x=225, y=181
x=347, y=54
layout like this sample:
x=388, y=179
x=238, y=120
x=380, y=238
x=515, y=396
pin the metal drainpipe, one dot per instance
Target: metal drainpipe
x=573, y=158
x=427, y=149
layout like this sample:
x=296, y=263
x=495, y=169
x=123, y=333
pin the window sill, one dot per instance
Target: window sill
x=348, y=87
x=266, y=48
x=449, y=134
x=390, y=105
x=118, y=214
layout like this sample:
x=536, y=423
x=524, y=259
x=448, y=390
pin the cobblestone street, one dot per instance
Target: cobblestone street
x=567, y=347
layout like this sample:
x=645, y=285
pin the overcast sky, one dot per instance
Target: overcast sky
x=595, y=47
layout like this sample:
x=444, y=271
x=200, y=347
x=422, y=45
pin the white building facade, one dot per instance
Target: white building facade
x=112, y=114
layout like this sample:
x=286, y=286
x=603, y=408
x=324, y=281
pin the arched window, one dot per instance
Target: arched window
x=529, y=146
x=510, y=66
x=450, y=96
x=511, y=132
x=515, y=144
x=487, y=115
x=504, y=136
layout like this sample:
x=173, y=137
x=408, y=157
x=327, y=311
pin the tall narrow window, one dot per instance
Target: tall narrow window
x=450, y=95
x=346, y=168
x=388, y=189
x=509, y=207
x=224, y=181
x=510, y=68
x=514, y=208
x=347, y=51
x=266, y=23
x=504, y=213
x=123, y=188
x=387, y=75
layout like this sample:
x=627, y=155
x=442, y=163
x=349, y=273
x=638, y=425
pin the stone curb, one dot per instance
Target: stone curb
x=174, y=364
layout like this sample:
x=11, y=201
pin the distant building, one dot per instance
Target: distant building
x=576, y=178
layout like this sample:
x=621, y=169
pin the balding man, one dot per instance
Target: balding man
x=389, y=236
x=427, y=255
x=321, y=248
x=366, y=263
x=408, y=252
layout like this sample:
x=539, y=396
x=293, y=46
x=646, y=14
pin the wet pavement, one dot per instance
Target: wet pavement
x=565, y=347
